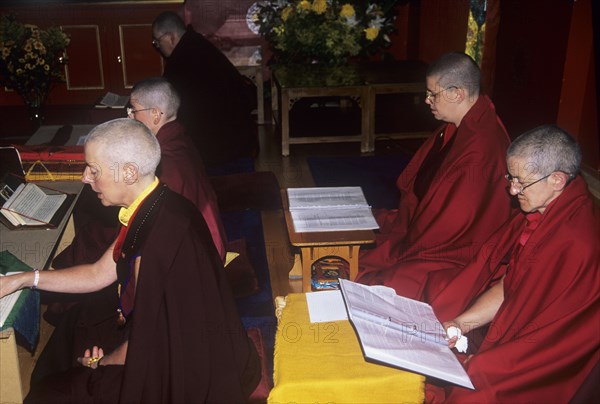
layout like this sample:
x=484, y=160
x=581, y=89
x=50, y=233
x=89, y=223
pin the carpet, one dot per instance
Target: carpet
x=376, y=175
x=241, y=198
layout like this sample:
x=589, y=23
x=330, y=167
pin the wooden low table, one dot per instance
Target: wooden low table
x=360, y=82
x=317, y=245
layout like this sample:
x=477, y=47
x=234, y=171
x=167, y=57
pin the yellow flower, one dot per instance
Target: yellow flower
x=27, y=47
x=5, y=52
x=286, y=13
x=279, y=30
x=347, y=11
x=304, y=5
x=20, y=71
x=41, y=61
x=46, y=67
x=371, y=33
x=319, y=6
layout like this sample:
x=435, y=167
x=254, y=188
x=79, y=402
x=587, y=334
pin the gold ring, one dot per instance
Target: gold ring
x=92, y=360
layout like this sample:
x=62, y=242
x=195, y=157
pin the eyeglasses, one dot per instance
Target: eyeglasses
x=432, y=97
x=156, y=41
x=131, y=112
x=514, y=182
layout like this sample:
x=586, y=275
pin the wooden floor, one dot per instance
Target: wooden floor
x=293, y=171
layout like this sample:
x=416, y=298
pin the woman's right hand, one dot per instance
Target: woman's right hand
x=11, y=283
x=448, y=324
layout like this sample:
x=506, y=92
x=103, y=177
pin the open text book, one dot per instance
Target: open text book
x=401, y=332
x=30, y=205
x=330, y=209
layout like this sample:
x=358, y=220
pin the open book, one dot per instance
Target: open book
x=112, y=100
x=401, y=332
x=29, y=205
x=330, y=209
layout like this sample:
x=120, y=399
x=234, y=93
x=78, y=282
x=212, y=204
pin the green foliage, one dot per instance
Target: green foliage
x=30, y=58
x=325, y=31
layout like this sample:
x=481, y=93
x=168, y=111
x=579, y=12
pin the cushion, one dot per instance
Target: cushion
x=240, y=271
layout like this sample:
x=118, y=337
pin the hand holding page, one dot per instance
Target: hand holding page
x=401, y=332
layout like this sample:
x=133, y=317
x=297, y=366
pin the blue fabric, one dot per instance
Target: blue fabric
x=257, y=310
x=242, y=165
x=247, y=224
x=376, y=175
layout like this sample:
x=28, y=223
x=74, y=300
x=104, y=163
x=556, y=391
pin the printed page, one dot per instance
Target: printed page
x=339, y=219
x=326, y=197
x=7, y=303
x=113, y=100
x=401, y=332
x=32, y=205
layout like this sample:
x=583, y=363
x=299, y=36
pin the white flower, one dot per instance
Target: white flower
x=377, y=22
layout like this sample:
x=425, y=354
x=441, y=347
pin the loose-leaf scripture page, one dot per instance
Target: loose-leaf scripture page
x=330, y=209
x=401, y=332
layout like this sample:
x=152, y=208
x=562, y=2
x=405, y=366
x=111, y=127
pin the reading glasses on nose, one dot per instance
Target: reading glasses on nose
x=432, y=97
x=131, y=111
x=156, y=41
x=515, y=182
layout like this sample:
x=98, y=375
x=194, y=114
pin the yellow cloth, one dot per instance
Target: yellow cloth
x=230, y=256
x=125, y=213
x=323, y=363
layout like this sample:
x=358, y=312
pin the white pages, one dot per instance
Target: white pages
x=330, y=209
x=7, y=303
x=401, y=332
x=112, y=100
x=29, y=205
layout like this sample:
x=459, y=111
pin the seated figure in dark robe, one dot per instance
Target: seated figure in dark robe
x=155, y=103
x=216, y=100
x=452, y=195
x=531, y=295
x=174, y=334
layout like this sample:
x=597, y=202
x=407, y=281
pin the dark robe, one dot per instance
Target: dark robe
x=186, y=341
x=182, y=170
x=180, y=167
x=545, y=338
x=216, y=100
x=464, y=202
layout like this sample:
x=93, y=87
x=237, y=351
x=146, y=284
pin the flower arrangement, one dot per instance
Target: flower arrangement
x=31, y=59
x=326, y=31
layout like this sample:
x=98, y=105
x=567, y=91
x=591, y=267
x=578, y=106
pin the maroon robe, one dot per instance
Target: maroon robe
x=182, y=170
x=465, y=202
x=545, y=338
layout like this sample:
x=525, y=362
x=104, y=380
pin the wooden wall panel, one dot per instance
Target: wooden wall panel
x=139, y=59
x=84, y=70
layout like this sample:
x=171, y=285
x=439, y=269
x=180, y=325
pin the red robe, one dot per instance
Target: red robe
x=465, y=202
x=545, y=338
x=182, y=170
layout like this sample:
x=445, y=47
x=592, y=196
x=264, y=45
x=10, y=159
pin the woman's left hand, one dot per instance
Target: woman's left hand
x=92, y=358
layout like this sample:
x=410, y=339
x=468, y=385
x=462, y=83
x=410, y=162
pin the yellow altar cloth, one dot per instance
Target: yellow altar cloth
x=323, y=363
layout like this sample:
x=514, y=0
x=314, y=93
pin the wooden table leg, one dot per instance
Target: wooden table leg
x=285, y=123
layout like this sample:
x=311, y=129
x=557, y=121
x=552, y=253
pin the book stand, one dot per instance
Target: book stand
x=317, y=245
